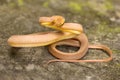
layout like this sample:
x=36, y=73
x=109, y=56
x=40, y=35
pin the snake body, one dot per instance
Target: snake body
x=67, y=34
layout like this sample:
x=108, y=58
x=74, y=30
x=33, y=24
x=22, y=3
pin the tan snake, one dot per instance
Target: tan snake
x=67, y=34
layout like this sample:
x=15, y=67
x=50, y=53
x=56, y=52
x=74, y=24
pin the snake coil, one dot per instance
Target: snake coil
x=71, y=34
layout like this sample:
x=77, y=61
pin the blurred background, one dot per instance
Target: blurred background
x=101, y=23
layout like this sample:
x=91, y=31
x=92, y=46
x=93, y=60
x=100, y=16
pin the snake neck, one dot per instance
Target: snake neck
x=63, y=30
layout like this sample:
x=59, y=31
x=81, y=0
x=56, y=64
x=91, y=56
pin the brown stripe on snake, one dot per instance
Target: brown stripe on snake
x=66, y=34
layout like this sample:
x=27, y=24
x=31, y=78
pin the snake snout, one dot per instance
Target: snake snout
x=45, y=20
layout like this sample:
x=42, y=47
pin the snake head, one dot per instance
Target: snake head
x=52, y=22
x=56, y=22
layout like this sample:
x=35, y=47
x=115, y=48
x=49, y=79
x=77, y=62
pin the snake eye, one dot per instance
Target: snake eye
x=57, y=20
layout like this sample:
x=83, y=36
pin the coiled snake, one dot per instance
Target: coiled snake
x=67, y=34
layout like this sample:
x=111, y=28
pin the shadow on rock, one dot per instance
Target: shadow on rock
x=13, y=52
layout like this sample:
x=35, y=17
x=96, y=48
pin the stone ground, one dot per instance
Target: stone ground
x=101, y=21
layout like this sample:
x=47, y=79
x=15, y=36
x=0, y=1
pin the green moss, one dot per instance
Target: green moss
x=109, y=5
x=101, y=8
x=11, y=4
x=75, y=6
x=20, y=2
x=17, y=3
x=104, y=28
x=46, y=4
x=117, y=65
x=116, y=51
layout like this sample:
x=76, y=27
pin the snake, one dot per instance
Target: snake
x=70, y=34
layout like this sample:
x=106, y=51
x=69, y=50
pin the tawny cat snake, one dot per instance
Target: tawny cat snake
x=67, y=34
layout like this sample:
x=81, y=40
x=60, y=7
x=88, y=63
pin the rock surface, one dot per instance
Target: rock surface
x=101, y=22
